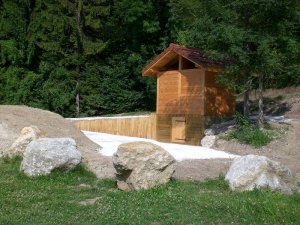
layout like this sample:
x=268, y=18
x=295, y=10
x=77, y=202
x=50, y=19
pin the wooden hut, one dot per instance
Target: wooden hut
x=188, y=97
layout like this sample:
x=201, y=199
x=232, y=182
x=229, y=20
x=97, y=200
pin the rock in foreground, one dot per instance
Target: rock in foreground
x=252, y=171
x=142, y=165
x=27, y=135
x=46, y=154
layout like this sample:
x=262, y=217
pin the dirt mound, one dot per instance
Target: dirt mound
x=284, y=149
x=14, y=118
x=294, y=102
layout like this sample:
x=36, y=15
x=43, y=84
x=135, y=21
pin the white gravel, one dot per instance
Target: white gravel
x=180, y=152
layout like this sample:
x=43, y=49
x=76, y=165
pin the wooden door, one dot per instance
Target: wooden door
x=178, y=129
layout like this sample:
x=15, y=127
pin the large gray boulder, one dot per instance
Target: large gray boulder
x=252, y=171
x=27, y=135
x=46, y=154
x=142, y=165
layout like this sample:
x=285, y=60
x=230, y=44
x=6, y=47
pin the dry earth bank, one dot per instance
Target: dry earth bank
x=285, y=148
x=14, y=118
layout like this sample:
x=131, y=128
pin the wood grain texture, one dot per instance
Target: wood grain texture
x=181, y=92
x=167, y=92
x=193, y=128
x=178, y=130
x=192, y=92
x=144, y=127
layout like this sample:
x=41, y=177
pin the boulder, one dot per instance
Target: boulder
x=208, y=141
x=142, y=165
x=7, y=137
x=46, y=154
x=252, y=171
x=27, y=135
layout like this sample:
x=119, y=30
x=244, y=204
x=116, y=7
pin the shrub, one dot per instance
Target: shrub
x=247, y=133
x=251, y=135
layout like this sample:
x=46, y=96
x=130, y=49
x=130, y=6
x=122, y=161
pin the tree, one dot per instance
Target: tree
x=260, y=35
x=138, y=33
x=67, y=34
x=18, y=83
x=108, y=88
x=53, y=53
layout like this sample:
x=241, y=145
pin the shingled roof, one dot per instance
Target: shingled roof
x=192, y=54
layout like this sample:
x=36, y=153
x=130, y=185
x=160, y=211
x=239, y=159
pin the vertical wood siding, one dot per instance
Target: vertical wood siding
x=144, y=127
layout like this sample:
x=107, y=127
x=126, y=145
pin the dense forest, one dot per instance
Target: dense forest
x=84, y=57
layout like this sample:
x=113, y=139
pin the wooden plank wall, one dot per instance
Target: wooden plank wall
x=192, y=92
x=168, y=92
x=181, y=92
x=164, y=127
x=219, y=101
x=194, y=128
x=144, y=127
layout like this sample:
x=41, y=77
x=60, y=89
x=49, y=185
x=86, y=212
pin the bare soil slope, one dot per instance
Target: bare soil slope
x=285, y=149
x=14, y=118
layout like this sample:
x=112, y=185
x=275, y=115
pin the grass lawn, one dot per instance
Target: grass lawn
x=56, y=199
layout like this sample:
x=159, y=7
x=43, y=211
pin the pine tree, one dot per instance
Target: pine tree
x=17, y=81
x=67, y=35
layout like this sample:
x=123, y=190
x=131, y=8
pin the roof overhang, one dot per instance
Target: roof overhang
x=160, y=63
x=171, y=54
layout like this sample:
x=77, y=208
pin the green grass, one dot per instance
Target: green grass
x=249, y=133
x=252, y=135
x=55, y=199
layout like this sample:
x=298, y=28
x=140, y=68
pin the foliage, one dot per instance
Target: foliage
x=252, y=135
x=55, y=199
x=247, y=133
x=261, y=36
x=52, y=51
x=114, y=91
x=241, y=121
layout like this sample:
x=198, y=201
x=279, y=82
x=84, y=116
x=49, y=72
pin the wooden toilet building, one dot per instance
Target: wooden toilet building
x=188, y=97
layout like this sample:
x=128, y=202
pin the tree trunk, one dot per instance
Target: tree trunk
x=77, y=104
x=246, y=99
x=79, y=53
x=260, y=102
x=77, y=94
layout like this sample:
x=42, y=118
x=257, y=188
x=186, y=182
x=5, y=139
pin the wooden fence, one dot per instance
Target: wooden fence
x=135, y=126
